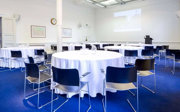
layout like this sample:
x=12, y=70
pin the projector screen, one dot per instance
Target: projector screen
x=129, y=20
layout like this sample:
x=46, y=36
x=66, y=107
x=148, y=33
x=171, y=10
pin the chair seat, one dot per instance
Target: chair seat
x=70, y=89
x=177, y=61
x=43, y=77
x=42, y=67
x=120, y=86
x=170, y=57
x=145, y=73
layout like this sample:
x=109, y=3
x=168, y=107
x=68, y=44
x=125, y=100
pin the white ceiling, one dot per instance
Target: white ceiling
x=107, y=3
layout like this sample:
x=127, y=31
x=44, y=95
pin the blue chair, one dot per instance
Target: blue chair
x=41, y=66
x=78, y=47
x=68, y=81
x=145, y=68
x=147, y=53
x=130, y=56
x=34, y=76
x=97, y=46
x=113, y=50
x=88, y=46
x=65, y=48
x=17, y=57
x=39, y=54
x=104, y=45
x=148, y=47
x=121, y=79
x=176, y=59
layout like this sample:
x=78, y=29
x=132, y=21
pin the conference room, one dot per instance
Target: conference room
x=89, y=55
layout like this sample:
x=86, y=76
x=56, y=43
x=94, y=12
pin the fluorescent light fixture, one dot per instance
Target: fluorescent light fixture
x=109, y=2
x=89, y=1
x=99, y=5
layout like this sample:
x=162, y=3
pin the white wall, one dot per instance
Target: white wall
x=75, y=14
x=40, y=12
x=158, y=20
x=32, y=12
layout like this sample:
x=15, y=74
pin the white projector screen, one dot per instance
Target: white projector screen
x=129, y=20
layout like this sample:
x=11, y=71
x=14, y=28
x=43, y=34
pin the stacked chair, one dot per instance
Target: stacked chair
x=34, y=76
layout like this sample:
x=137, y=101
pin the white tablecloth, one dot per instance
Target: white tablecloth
x=142, y=45
x=123, y=48
x=6, y=53
x=88, y=61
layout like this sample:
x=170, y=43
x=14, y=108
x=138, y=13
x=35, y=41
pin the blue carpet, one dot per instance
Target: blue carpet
x=167, y=98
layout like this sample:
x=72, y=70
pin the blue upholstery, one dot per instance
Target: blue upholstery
x=32, y=70
x=16, y=54
x=132, y=53
x=39, y=52
x=147, y=52
x=121, y=75
x=113, y=50
x=145, y=64
x=78, y=47
x=65, y=48
x=31, y=60
x=68, y=77
x=148, y=47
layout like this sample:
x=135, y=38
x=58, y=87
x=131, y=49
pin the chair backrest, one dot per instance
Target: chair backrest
x=16, y=54
x=65, y=48
x=147, y=52
x=88, y=46
x=104, y=45
x=118, y=44
x=78, y=47
x=110, y=44
x=160, y=47
x=31, y=60
x=148, y=47
x=113, y=50
x=39, y=52
x=68, y=77
x=177, y=54
x=32, y=70
x=97, y=46
x=145, y=64
x=121, y=75
x=166, y=47
x=55, y=48
x=131, y=53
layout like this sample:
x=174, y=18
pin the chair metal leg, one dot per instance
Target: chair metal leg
x=38, y=95
x=174, y=65
x=25, y=87
x=137, y=94
x=52, y=101
x=131, y=105
x=89, y=99
x=147, y=88
x=61, y=105
x=131, y=92
x=79, y=109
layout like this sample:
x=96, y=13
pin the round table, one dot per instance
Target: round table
x=26, y=51
x=123, y=48
x=142, y=45
x=88, y=61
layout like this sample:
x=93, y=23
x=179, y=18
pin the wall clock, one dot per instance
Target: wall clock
x=53, y=21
